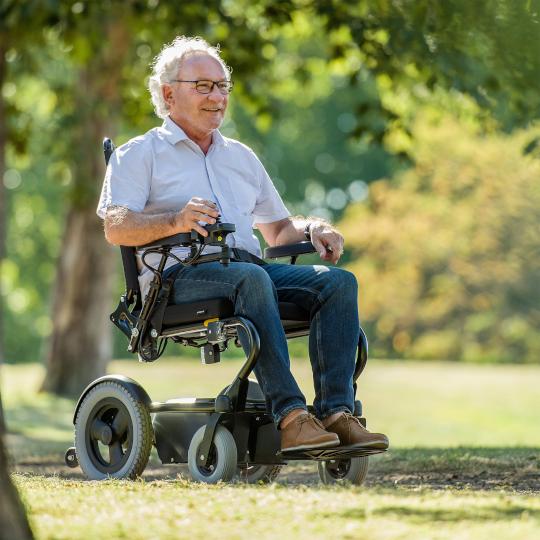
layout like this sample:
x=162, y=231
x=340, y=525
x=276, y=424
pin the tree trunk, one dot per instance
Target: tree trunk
x=13, y=522
x=81, y=344
x=3, y=191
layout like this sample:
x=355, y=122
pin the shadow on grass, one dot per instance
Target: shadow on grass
x=489, y=469
x=486, y=468
x=422, y=515
x=29, y=416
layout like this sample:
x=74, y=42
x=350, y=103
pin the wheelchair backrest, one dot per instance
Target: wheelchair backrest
x=129, y=259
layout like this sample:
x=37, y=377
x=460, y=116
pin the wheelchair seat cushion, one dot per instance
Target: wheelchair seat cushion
x=193, y=312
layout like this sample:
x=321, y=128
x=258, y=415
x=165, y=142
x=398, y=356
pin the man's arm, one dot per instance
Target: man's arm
x=127, y=228
x=325, y=238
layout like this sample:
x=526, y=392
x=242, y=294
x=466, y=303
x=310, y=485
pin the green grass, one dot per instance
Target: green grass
x=464, y=462
x=63, y=509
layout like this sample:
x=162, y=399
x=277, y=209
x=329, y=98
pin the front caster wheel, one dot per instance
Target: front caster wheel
x=113, y=433
x=258, y=474
x=223, y=457
x=353, y=470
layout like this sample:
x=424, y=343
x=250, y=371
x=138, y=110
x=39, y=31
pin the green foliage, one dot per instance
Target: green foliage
x=321, y=138
x=489, y=51
x=448, y=254
x=304, y=134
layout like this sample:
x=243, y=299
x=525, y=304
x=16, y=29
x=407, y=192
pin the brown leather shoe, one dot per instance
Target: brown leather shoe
x=306, y=432
x=351, y=432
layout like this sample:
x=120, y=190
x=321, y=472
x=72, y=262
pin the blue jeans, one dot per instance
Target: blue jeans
x=328, y=294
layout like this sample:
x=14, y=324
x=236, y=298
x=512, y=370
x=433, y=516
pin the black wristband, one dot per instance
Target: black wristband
x=307, y=232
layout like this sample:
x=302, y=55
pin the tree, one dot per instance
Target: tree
x=12, y=32
x=80, y=344
x=488, y=51
x=104, y=39
x=13, y=522
x=446, y=253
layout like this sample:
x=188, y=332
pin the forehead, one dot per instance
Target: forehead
x=201, y=66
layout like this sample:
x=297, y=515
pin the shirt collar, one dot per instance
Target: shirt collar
x=174, y=133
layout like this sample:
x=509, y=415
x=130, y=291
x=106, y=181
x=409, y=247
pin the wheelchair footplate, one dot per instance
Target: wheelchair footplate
x=325, y=454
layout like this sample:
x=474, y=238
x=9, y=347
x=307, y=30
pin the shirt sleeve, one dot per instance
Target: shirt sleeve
x=127, y=179
x=269, y=206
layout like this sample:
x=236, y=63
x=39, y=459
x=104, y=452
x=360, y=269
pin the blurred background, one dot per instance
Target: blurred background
x=413, y=125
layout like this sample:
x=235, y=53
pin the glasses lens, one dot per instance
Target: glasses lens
x=204, y=87
x=225, y=86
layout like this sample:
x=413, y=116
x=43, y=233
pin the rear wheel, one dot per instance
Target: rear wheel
x=353, y=470
x=113, y=433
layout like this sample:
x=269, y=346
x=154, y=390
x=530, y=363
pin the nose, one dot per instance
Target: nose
x=215, y=95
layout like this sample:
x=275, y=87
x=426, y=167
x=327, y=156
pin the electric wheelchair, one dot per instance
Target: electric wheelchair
x=231, y=435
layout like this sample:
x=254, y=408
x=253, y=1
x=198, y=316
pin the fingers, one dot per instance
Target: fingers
x=199, y=228
x=203, y=206
x=198, y=211
x=328, y=242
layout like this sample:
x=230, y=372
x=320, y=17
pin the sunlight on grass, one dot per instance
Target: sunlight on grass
x=417, y=404
x=185, y=510
x=463, y=462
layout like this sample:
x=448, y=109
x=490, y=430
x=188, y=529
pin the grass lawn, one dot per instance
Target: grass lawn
x=464, y=462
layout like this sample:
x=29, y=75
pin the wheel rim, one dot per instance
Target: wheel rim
x=109, y=435
x=248, y=470
x=338, y=468
x=210, y=468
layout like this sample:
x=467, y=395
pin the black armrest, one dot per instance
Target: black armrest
x=289, y=250
x=180, y=239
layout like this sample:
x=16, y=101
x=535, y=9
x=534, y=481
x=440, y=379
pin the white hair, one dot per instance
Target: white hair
x=167, y=63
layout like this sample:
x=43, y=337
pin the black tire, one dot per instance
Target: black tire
x=113, y=433
x=70, y=458
x=223, y=457
x=258, y=474
x=353, y=470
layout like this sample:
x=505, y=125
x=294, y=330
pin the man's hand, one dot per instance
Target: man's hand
x=196, y=210
x=327, y=241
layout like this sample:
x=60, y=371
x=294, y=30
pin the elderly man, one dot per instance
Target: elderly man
x=185, y=174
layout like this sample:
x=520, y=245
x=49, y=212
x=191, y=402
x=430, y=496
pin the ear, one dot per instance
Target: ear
x=167, y=92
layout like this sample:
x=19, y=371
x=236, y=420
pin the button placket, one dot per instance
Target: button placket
x=222, y=199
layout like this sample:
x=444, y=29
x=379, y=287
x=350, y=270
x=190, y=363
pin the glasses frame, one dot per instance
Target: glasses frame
x=214, y=83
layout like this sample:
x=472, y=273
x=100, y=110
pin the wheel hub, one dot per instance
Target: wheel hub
x=338, y=468
x=106, y=436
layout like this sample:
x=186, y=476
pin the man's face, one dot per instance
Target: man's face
x=197, y=114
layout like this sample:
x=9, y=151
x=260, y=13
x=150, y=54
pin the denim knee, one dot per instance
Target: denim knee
x=342, y=282
x=255, y=287
x=255, y=276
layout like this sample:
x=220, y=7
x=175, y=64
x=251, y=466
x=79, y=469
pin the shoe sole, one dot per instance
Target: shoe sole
x=380, y=444
x=329, y=444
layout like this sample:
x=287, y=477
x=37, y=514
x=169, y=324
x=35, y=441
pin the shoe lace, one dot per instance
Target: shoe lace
x=309, y=417
x=350, y=416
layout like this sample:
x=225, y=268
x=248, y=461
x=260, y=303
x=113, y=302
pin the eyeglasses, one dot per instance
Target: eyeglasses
x=206, y=87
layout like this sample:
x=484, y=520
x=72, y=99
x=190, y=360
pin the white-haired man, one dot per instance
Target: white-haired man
x=185, y=174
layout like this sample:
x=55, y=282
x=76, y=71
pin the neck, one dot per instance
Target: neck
x=203, y=139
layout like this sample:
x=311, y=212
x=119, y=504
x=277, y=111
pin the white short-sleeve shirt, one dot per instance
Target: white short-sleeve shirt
x=163, y=169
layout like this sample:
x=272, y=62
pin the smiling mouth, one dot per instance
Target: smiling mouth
x=212, y=110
